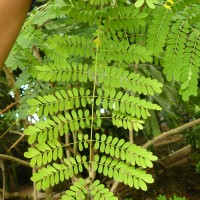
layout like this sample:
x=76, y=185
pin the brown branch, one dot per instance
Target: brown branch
x=16, y=132
x=171, y=132
x=16, y=195
x=2, y=165
x=36, y=53
x=11, y=81
x=8, y=107
x=114, y=186
x=17, y=160
x=16, y=142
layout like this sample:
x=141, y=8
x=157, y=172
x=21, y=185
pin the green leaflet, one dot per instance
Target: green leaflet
x=97, y=190
x=150, y=3
x=60, y=124
x=157, y=33
x=55, y=172
x=123, y=172
x=44, y=153
x=124, y=150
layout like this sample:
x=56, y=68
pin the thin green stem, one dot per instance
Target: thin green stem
x=91, y=172
x=7, y=130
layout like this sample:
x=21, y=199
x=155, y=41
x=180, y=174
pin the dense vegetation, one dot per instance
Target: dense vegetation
x=86, y=78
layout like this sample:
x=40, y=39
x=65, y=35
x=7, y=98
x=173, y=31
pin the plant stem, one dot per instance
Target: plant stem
x=17, y=160
x=8, y=107
x=67, y=142
x=3, y=177
x=16, y=143
x=91, y=167
x=75, y=143
x=171, y=132
x=131, y=140
x=34, y=187
x=114, y=186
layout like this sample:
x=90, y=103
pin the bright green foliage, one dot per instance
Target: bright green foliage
x=120, y=149
x=96, y=74
x=177, y=30
x=108, y=99
x=173, y=60
x=77, y=191
x=115, y=77
x=96, y=190
x=158, y=31
x=122, y=172
x=60, y=124
x=163, y=197
x=189, y=76
x=99, y=191
x=150, y=3
x=44, y=153
x=54, y=173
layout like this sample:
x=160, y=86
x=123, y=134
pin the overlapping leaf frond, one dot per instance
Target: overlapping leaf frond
x=122, y=172
x=183, y=4
x=123, y=18
x=113, y=168
x=120, y=149
x=173, y=59
x=77, y=191
x=158, y=30
x=60, y=125
x=108, y=76
x=190, y=72
x=95, y=73
x=44, y=153
x=53, y=174
x=174, y=38
x=96, y=190
x=107, y=99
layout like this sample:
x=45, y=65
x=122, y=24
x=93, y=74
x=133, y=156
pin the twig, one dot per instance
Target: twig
x=17, y=160
x=16, y=132
x=131, y=140
x=75, y=142
x=34, y=186
x=36, y=53
x=16, y=142
x=7, y=130
x=171, y=132
x=17, y=195
x=114, y=186
x=11, y=81
x=67, y=142
x=8, y=107
x=3, y=177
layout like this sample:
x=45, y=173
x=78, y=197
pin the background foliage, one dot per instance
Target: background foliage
x=94, y=68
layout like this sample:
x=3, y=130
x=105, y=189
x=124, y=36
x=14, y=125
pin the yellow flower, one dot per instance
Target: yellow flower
x=168, y=4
